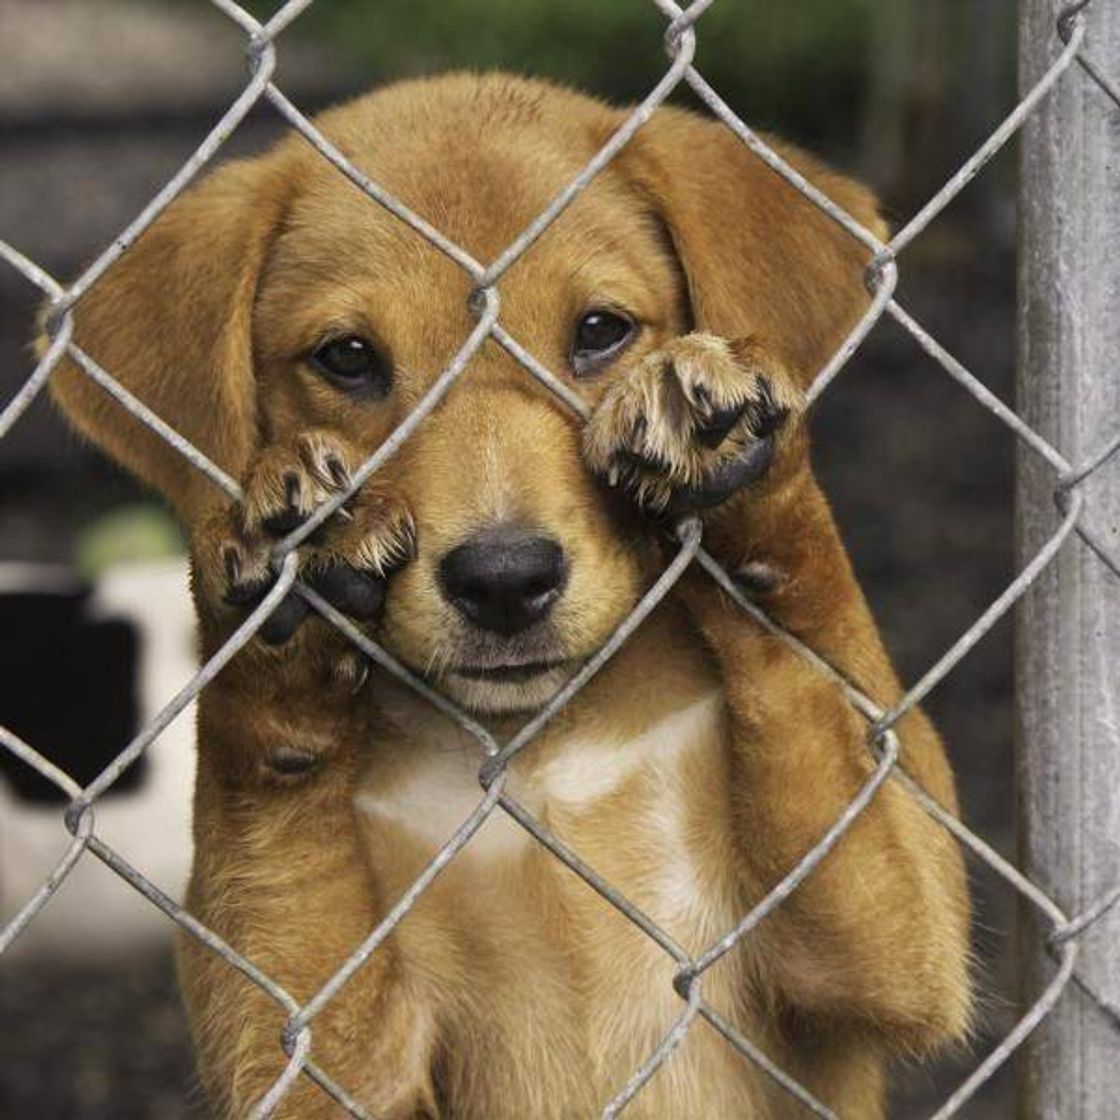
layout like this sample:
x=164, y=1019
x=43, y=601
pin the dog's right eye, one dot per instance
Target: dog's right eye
x=600, y=336
x=354, y=364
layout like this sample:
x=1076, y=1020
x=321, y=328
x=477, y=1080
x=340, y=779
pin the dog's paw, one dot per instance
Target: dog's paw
x=348, y=559
x=692, y=424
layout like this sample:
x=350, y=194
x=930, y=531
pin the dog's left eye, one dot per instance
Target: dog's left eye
x=600, y=335
x=353, y=363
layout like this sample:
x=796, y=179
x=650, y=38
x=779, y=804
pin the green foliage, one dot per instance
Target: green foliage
x=798, y=67
x=129, y=534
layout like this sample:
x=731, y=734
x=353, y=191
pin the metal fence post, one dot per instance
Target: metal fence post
x=1068, y=639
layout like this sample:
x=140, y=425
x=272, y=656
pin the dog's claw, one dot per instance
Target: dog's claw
x=231, y=559
x=718, y=422
x=337, y=471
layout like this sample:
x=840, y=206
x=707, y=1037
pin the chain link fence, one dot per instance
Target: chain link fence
x=1073, y=60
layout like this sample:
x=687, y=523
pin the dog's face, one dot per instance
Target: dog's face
x=279, y=298
x=521, y=572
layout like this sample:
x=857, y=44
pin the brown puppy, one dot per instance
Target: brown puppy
x=285, y=324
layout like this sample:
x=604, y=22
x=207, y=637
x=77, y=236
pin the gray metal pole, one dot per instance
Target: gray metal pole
x=1068, y=636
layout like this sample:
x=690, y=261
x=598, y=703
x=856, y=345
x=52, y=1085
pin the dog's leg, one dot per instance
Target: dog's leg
x=279, y=868
x=280, y=874
x=876, y=936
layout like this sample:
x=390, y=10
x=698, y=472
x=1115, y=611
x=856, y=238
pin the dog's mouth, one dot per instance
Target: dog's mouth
x=491, y=673
x=516, y=682
x=512, y=673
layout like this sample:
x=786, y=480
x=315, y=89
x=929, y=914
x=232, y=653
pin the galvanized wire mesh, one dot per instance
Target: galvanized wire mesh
x=1073, y=54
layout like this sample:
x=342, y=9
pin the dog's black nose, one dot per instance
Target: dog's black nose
x=504, y=579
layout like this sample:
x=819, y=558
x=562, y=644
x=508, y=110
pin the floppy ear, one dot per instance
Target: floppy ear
x=759, y=258
x=171, y=320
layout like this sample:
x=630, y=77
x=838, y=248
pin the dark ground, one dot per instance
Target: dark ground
x=921, y=478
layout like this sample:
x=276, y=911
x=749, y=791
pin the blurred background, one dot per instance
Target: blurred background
x=100, y=102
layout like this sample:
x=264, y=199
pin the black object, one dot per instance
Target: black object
x=67, y=688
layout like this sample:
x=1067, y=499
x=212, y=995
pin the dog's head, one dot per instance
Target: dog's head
x=276, y=296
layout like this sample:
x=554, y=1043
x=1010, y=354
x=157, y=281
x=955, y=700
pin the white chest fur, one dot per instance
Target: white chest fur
x=436, y=789
x=644, y=811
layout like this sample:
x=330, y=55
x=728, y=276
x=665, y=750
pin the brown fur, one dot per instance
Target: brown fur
x=692, y=773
